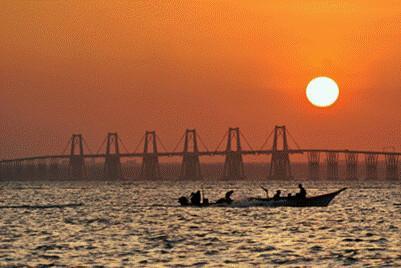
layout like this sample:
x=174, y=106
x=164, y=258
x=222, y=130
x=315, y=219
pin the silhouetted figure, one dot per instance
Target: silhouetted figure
x=302, y=192
x=227, y=199
x=183, y=201
x=277, y=195
x=196, y=198
x=266, y=191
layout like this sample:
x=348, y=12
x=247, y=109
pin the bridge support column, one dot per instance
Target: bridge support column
x=54, y=169
x=314, y=165
x=29, y=170
x=41, y=169
x=150, y=163
x=280, y=166
x=351, y=162
x=190, y=167
x=234, y=164
x=371, y=166
x=112, y=163
x=19, y=169
x=332, y=165
x=391, y=167
x=76, y=167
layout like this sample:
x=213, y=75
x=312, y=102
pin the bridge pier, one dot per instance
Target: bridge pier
x=41, y=168
x=314, y=165
x=371, y=166
x=54, y=169
x=351, y=162
x=112, y=163
x=332, y=165
x=76, y=166
x=190, y=167
x=19, y=169
x=234, y=164
x=150, y=162
x=280, y=166
x=391, y=167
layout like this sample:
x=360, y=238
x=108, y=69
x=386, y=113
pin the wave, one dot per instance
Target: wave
x=49, y=206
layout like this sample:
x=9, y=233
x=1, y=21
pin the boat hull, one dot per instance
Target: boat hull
x=314, y=201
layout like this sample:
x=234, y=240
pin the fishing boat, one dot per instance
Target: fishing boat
x=294, y=201
x=313, y=201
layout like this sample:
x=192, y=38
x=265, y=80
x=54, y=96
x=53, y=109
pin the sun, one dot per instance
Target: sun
x=322, y=91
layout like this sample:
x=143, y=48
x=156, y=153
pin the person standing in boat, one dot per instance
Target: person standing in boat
x=196, y=198
x=302, y=192
x=277, y=196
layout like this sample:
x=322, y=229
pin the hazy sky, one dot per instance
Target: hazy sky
x=128, y=66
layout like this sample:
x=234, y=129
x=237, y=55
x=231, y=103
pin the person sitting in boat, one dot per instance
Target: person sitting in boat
x=302, y=192
x=183, y=201
x=227, y=199
x=196, y=198
x=277, y=195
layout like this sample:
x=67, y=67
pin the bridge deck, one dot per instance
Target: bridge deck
x=204, y=153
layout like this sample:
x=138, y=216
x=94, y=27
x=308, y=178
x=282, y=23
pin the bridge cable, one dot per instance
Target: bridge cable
x=224, y=137
x=140, y=143
x=266, y=140
x=87, y=146
x=122, y=143
x=101, y=145
x=292, y=138
x=247, y=142
x=66, y=147
x=203, y=144
x=178, y=143
x=161, y=143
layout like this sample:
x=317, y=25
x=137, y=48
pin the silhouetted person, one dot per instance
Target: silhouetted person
x=277, y=195
x=227, y=199
x=266, y=191
x=302, y=192
x=196, y=198
x=183, y=201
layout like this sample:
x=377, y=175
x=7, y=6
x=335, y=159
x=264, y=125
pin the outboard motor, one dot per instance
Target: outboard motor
x=183, y=201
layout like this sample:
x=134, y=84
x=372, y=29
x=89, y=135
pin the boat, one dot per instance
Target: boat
x=294, y=201
x=313, y=201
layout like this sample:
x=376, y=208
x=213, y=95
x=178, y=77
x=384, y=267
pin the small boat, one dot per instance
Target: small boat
x=294, y=201
x=313, y=201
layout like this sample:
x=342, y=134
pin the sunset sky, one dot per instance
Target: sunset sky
x=129, y=66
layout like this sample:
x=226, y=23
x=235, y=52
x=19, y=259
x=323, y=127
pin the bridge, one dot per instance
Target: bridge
x=74, y=165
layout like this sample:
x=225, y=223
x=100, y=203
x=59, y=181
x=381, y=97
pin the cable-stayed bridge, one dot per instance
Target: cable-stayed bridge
x=74, y=163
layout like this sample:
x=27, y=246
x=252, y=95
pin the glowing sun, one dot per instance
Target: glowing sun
x=322, y=91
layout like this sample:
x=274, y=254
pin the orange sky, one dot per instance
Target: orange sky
x=127, y=66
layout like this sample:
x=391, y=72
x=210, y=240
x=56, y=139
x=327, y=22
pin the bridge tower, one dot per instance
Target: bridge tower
x=391, y=166
x=280, y=166
x=314, y=165
x=76, y=167
x=351, y=163
x=371, y=166
x=234, y=164
x=190, y=167
x=150, y=163
x=332, y=165
x=112, y=163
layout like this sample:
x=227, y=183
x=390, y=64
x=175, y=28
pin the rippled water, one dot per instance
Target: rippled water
x=139, y=224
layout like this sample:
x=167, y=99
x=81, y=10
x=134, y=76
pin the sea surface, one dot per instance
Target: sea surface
x=139, y=224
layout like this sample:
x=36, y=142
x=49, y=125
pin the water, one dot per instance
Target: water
x=139, y=224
